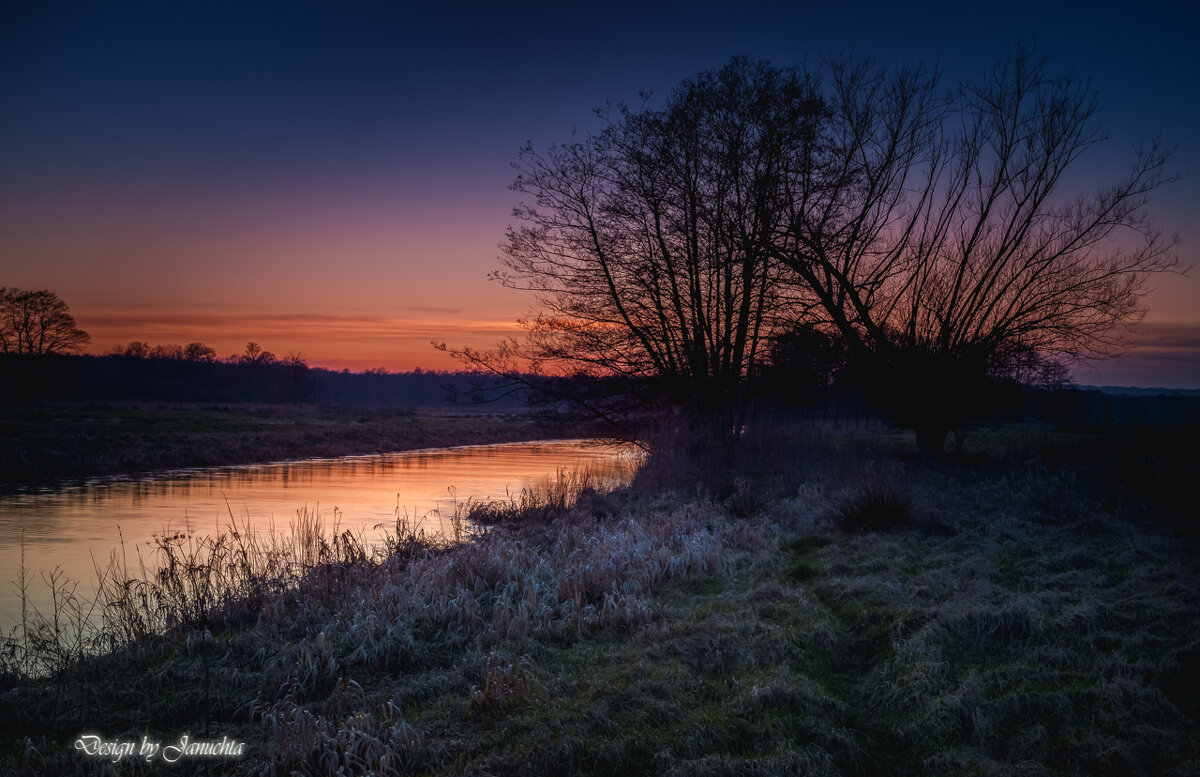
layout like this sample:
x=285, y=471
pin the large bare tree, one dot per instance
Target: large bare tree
x=648, y=244
x=943, y=236
x=938, y=234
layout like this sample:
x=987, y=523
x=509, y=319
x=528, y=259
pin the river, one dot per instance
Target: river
x=76, y=526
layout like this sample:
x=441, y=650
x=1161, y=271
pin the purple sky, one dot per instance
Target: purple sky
x=331, y=178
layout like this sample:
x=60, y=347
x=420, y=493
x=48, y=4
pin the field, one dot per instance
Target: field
x=816, y=607
x=57, y=440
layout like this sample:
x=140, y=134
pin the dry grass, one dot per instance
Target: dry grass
x=642, y=633
x=586, y=489
x=878, y=502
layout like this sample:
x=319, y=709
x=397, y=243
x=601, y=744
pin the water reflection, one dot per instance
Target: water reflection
x=71, y=526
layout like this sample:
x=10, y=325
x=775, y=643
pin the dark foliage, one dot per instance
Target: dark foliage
x=37, y=322
x=874, y=506
x=135, y=378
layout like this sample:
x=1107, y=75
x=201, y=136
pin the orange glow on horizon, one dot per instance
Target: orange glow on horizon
x=402, y=343
x=355, y=342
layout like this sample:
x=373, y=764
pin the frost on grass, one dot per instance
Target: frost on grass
x=988, y=632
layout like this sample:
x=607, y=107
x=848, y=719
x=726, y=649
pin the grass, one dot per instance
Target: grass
x=874, y=505
x=995, y=631
x=57, y=440
x=588, y=490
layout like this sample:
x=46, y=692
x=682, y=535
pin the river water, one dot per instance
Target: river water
x=77, y=526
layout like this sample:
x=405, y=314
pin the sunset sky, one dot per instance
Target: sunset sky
x=330, y=178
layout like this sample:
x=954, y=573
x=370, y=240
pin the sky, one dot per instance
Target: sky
x=331, y=179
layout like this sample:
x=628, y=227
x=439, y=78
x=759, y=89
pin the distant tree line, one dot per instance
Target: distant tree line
x=197, y=352
x=167, y=378
x=40, y=342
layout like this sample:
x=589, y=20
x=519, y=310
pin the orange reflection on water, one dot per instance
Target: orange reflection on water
x=71, y=526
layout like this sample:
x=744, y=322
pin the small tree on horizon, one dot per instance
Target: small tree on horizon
x=200, y=353
x=254, y=354
x=37, y=323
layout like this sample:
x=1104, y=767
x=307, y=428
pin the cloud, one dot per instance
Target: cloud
x=428, y=309
x=1159, y=355
x=1166, y=337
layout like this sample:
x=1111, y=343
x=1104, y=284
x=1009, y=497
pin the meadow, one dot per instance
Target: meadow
x=799, y=604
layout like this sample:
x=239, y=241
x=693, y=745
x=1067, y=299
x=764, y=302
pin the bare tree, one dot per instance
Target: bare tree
x=137, y=349
x=254, y=354
x=647, y=244
x=935, y=235
x=170, y=351
x=37, y=322
x=940, y=236
x=199, y=352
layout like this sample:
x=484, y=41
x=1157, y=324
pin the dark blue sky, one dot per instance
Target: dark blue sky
x=349, y=160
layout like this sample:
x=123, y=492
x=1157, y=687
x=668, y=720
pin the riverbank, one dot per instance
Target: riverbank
x=63, y=439
x=839, y=610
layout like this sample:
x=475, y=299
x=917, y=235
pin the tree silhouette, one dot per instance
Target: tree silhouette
x=169, y=351
x=199, y=352
x=647, y=244
x=254, y=354
x=801, y=365
x=137, y=349
x=37, y=323
x=937, y=234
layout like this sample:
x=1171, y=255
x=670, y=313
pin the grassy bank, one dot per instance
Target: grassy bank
x=55, y=440
x=847, y=610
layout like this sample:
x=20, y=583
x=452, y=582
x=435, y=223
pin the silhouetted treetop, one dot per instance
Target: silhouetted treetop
x=254, y=354
x=199, y=352
x=37, y=323
x=647, y=243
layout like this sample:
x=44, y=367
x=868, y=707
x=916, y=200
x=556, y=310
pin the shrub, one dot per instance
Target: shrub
x=874, y=506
